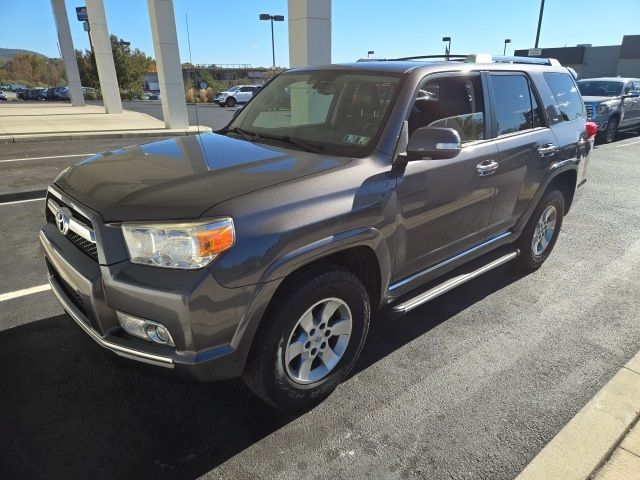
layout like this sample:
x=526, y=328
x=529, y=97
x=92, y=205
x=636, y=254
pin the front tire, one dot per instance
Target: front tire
x=611, y=130
x=310, y=339
x=231, y=102
x=541, y=232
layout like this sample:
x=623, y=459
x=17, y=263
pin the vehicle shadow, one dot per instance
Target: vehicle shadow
x=66, y=411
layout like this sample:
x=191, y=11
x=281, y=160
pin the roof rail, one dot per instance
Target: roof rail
x=529, y=60
x=476, y=58
x=455, y=58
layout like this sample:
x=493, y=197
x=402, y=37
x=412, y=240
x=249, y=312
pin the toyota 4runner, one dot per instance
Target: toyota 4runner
x=264, y=249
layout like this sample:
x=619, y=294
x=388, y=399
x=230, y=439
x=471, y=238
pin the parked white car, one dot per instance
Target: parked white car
x=236, y=94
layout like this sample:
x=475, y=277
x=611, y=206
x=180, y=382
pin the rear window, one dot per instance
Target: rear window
x=568, y=101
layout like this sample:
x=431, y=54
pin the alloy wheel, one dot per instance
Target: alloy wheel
x=318, y=341
x=544, y=230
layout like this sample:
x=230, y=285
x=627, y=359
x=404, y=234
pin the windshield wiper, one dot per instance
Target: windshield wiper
x=304, y=144
x=250, y=136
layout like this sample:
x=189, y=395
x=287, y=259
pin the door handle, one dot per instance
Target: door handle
x=547, y=150
x=486, y=168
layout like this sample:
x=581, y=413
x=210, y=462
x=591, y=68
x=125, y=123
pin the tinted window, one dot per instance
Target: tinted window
x=566, y=96
x=450, y=102
x=516, y=106
x=628, y=87
x=636, y=84
x=599, y=88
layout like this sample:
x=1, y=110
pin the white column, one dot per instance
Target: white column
x=165, y=45
x=68, y=53
x=309, y=32
x=104, y=56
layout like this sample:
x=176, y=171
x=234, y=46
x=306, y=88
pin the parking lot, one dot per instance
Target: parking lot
x=469, y=386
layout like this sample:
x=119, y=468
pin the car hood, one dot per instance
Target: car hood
x=592, y=99
x=181, y=178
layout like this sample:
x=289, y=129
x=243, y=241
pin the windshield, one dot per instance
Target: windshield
x=232, y=89
x=600, y=88
x=339, y=112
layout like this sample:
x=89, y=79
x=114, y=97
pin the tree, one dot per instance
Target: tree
x=131, y=65
x=32, y=70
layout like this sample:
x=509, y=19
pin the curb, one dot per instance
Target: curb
x=43, y=137
x=592, y=435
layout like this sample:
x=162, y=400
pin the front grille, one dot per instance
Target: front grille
x=85, y=246
x=589, y=108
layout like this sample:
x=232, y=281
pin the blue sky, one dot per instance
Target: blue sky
x=230, y=32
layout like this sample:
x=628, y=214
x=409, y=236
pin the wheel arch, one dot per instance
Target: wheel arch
x=565, y=182
x=363, y=252
x=564, y=178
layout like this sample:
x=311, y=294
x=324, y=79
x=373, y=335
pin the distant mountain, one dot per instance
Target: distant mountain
x=7, y=54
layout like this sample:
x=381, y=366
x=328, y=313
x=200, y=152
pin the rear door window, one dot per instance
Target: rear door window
x=568, y=102
x=516, y=106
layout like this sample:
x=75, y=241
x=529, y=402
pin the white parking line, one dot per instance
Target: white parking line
x=23, y=292
x=46, y=158
x=626, y=144
x=21, y=201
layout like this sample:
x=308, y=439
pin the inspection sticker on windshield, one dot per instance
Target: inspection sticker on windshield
x=355, y=139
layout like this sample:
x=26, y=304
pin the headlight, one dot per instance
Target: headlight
x=178, y=245
x=603, y=108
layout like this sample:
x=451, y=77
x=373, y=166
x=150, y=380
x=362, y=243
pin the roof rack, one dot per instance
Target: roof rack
x=480, y=58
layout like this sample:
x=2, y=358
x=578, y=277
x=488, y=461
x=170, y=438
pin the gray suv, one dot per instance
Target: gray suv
x=263, y=250
x=613, y=104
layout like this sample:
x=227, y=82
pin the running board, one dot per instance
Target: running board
x=452, y=283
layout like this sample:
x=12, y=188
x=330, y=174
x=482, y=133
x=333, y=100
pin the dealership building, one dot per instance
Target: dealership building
x=589, y=61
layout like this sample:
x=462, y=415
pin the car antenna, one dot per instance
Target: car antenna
x=186, y=18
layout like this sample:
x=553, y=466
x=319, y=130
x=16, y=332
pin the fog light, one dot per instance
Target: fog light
x=146, y=329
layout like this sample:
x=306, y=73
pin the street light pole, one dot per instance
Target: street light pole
x=539, y=22
x=272, y=18
x=506, y=40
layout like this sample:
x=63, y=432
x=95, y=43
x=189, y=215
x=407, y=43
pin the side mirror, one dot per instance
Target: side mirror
x=632, y=94
x=433, y=142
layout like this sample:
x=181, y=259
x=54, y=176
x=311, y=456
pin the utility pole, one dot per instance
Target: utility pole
x=539, y=22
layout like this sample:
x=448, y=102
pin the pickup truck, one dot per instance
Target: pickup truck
x=263, y=250
x=613, y=104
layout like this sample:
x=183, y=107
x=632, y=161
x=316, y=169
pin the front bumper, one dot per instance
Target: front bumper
x=202, y=316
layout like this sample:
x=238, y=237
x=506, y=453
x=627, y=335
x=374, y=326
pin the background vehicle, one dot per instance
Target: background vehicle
x=91, y=93
x=59, y=93
x=613, y=104
x=262, y=251
x=235, y=95
x=39, y=93
x=3, y=96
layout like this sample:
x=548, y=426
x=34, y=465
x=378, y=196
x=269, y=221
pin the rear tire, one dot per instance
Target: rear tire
x=296, y=333
x=541, y=232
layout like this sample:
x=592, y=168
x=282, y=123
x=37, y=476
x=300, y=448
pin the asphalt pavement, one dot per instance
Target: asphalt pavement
x=207, y=114
x=469, y=386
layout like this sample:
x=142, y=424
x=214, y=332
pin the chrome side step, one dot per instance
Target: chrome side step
x=452, y=283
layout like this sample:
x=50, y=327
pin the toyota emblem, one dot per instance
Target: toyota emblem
x=62, y=220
